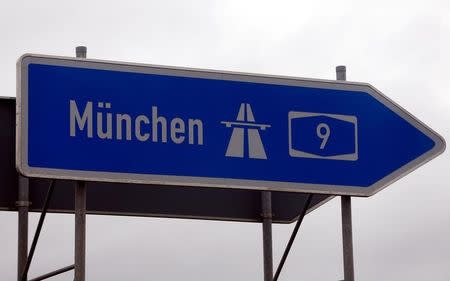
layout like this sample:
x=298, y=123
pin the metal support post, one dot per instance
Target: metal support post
x=266, y=204
x=347, y=238
x=22, y=241
x=80, y=213
x=341, y=73
x=80, y=231
x=346, y=210
x=81, y=52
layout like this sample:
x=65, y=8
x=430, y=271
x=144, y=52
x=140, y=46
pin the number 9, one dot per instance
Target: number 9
x=323, y=136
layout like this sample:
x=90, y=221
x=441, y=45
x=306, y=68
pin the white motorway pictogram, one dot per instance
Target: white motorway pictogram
x=245, y=122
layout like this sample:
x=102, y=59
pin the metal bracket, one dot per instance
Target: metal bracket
x=23, y=203
x=267, y=216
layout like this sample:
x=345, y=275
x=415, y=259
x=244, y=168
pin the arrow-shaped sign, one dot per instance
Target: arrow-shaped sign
x=109, y=121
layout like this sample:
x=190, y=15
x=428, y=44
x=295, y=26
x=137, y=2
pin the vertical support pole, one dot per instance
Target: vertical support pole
x=346, y=211
x=266, y=204
x=22, y=242
x=80, y=231
x=341, y=73
x=81, y=52
x=80, y=213
x=347, y=238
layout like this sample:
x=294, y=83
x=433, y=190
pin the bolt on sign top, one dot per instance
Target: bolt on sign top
x=119, y=122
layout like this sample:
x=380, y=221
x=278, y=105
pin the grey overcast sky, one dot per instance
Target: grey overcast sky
x=401, y=47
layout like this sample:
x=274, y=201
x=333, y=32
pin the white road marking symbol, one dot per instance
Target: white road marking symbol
x=245, y=121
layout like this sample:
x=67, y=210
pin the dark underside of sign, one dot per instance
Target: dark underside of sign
x=140, y=200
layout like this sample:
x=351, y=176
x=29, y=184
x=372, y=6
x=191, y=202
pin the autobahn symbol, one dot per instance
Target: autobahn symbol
x=245, y=123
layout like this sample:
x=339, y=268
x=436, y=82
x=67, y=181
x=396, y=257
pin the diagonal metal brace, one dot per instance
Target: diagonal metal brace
x=54, y=273
x=38, y=230
x=293, y=235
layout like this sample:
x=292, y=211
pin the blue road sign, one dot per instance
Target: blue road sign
x=108, y=121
